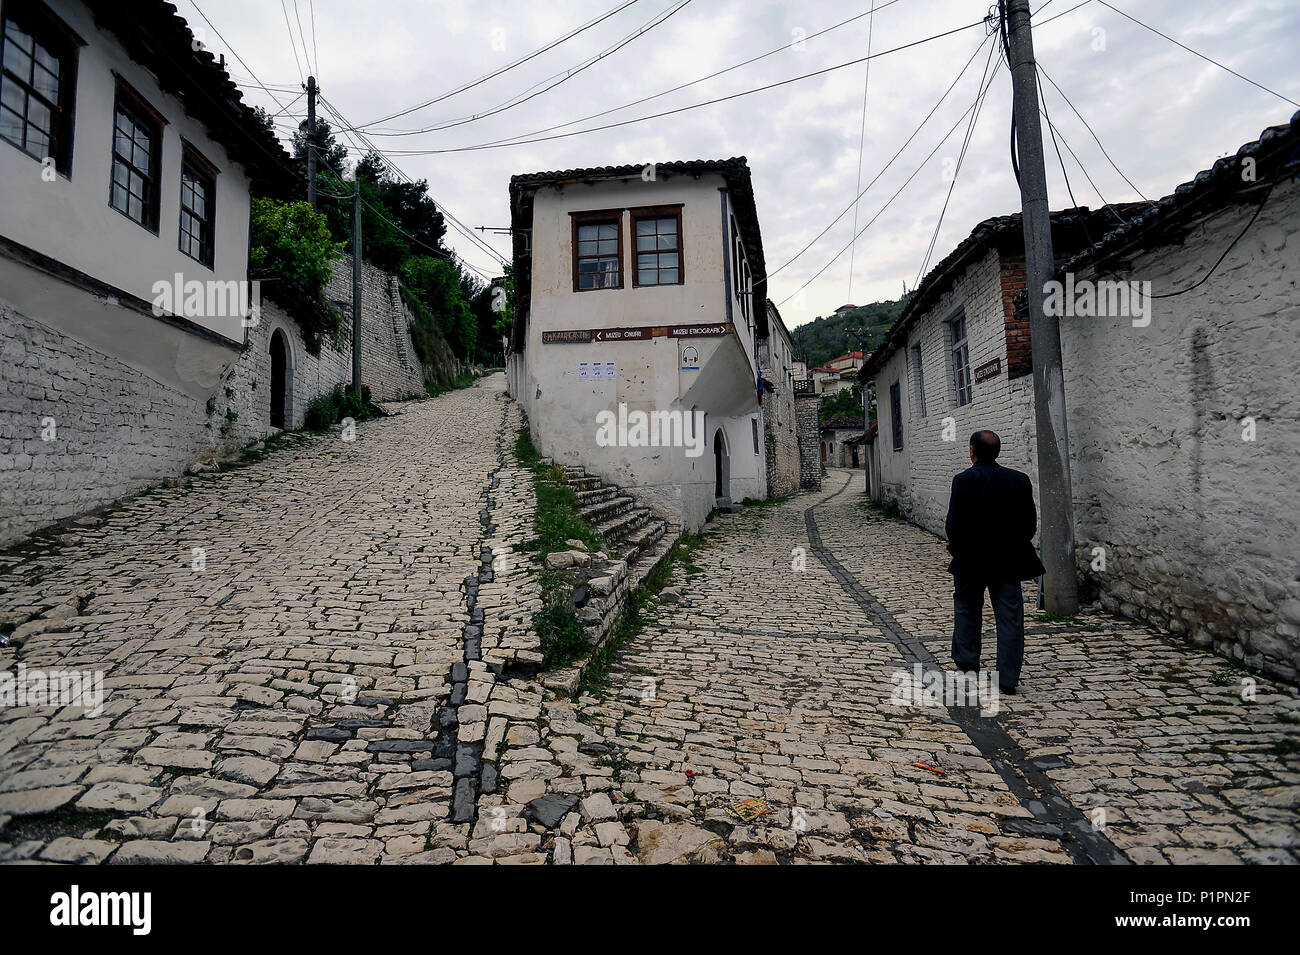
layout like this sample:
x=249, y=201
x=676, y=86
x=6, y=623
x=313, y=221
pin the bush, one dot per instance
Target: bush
x=291, y=244
x=333, y=406
x=563, y=640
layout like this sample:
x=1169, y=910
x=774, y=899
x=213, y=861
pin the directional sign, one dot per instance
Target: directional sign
x=639, y=333
x=988, y=370
x=700, y=331
x=567, y=336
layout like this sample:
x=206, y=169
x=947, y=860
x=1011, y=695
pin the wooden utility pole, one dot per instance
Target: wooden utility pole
x=356, y=283
x=311, y=140
x=1060, y=583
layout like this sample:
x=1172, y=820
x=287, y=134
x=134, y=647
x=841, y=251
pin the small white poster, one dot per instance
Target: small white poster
x=611, y=370
x=584, y=370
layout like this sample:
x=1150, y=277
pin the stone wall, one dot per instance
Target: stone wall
x=809, y=435
x=1199, y=527
x=780, y=431
x=79, y=428
x=118, y=430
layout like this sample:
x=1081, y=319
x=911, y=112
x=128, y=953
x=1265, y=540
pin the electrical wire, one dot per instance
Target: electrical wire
x=236, y=55
x=509, y=66
x=885, y=168
x=862, y=141
x=292, y=45
x=559, y=78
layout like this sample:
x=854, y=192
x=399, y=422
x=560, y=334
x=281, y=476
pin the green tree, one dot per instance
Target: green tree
x=437, y=285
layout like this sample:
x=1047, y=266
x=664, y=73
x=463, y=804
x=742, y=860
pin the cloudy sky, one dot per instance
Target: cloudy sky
x=1161, y=113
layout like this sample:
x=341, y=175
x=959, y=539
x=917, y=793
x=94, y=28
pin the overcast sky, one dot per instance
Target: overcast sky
x=1162, y=113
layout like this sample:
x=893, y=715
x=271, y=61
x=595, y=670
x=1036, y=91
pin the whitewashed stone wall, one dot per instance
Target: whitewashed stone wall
x=779, y=426
x=1200, y=528
x=118, y=430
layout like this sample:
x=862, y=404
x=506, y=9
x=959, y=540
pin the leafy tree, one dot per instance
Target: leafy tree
x=330, y=156
x=860, y=329
x=290, y=244
x=437, y=285
x=846, y=402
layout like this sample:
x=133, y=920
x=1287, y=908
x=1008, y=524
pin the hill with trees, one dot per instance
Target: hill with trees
x=858, y=329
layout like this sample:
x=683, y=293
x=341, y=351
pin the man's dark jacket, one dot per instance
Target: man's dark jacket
x=991, y=525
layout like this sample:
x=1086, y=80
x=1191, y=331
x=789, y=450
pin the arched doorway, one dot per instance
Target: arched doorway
x=721, y=467
x=281, y=381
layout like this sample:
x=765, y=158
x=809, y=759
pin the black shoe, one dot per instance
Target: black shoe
x=1006, y=690
x=966, y=669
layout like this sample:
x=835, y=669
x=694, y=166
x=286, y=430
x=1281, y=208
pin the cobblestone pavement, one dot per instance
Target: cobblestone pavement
x=770, y=683
x=343, y=681
x=311, y=684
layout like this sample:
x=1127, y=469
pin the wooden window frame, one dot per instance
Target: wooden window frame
x=194, y=163
x=672, y=211
x=58, y=39
x=594, y=217
x=896, y=414
x=138, y=111
x=959, y=350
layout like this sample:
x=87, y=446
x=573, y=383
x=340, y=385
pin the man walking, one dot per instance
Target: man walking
x=991, y=525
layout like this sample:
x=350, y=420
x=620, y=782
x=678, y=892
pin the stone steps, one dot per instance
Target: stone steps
x=635, y=540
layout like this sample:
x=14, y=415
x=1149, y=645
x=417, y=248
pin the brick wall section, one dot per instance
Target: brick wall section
x=780, y=431
x=1016, y=328
x=809, y=432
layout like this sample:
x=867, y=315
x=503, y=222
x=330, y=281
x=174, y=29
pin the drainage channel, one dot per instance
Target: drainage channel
x=1054, y=816
x=472, y=775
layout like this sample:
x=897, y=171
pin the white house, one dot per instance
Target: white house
x=640, y=296
x=126, y=163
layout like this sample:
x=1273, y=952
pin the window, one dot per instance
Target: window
x=960, y=360
x=754, y=423
x=658, y=246
x=919, y=374
x=37, y=83
x=597, y=251
x=198, y=198
x=137, y=137
x=896, y=414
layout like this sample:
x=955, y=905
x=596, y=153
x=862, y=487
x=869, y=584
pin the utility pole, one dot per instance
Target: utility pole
x=1060, y=583
x=311, y=140
x=356, y=284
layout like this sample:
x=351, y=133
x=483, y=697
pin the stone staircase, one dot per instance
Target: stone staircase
x=634, y=541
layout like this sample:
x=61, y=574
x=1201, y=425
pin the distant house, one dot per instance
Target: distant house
x=1182, y=403
x=128, y=159
x=640, y=290
x=839, y=449
x=845, y=308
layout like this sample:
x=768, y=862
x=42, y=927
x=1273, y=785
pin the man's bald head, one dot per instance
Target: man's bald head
x=985, y=446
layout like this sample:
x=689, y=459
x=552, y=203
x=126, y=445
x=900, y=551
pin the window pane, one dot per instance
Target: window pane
x=668, y=260
x=17, y=61
x=647, y=261
x=645, y=243
x=645, y=227
x=668, y=277
x=586, y=232
x=47, y=59
x=608, y=230
x=119, y=174
x=668, y=226
x=11, y=95
x=17, y=37
x=668, y=241
x=648, y=277
x=607, y=246
x=38, y=141
x=140, y=159
x=38, y=114
x=587, y=247
x=135, y=209
x=119, y=197
x=11, y=127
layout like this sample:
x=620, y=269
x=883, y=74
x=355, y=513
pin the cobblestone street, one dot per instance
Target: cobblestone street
x=340, y=679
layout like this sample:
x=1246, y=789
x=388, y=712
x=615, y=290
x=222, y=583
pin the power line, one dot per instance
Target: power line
x=862, y=141
x=1208, y=59
x=236, y=55
x=896, y=194
x=1043, y=73
x=683, y=109
x=302, y=36
x=980, y=97
x=509, y=66
x=365, y=145
x=314, y=55
x=534, y=92
x=292, y=45
x=645, y=99
x=885, y=168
